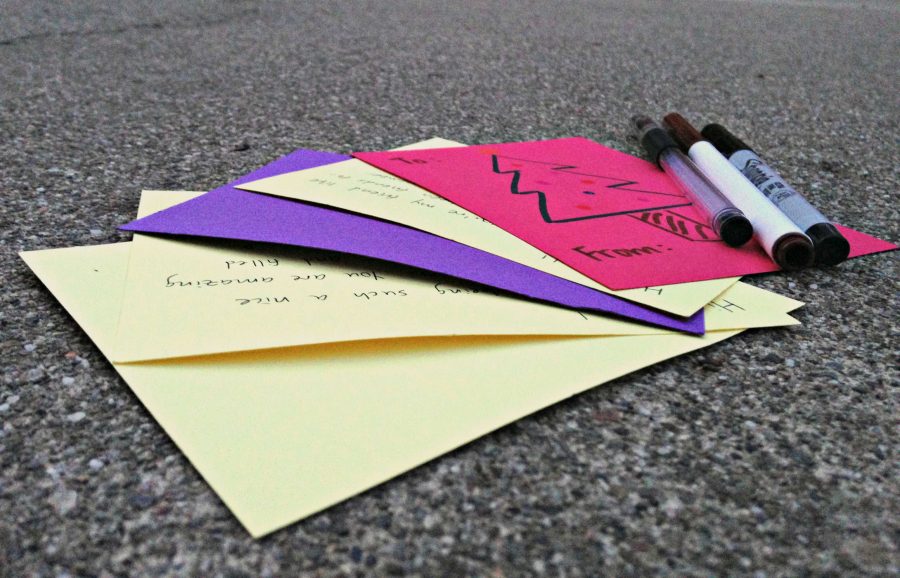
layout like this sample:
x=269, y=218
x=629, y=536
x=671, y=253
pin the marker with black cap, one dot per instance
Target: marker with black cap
x=781, y=239
x=831, y=247
x=726, y=220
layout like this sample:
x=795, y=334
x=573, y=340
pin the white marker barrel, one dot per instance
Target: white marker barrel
x=781, y=238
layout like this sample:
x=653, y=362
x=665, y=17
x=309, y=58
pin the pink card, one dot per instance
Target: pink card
x=614, y=217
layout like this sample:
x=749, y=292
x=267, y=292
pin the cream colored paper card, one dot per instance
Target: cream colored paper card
x=194, y=297
x=284, y=433
x=355, y=186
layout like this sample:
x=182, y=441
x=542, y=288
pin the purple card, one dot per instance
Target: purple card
x=230, y=213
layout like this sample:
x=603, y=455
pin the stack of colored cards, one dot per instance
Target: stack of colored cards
x=326, y=323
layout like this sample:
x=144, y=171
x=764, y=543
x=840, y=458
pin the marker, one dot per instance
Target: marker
x=782, y=240
x=726, y=220
x=830, y=246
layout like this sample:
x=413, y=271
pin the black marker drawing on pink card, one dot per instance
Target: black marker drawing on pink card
x=677, y=224
x=566, y=195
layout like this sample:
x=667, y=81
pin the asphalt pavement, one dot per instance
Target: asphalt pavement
x=772, y=454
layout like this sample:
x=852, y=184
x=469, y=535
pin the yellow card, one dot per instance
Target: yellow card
x=355, y=186
x=744, y=306
x=283, y=433
x=193, y=297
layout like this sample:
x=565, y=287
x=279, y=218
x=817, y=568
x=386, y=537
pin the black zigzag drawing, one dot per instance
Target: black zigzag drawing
x=661, y=217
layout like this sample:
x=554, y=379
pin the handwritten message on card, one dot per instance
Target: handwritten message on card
x=190, y=298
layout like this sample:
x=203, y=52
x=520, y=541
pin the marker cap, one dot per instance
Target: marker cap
x=724, y=141
x=734, y=228
x=653, y=137
x=831, y=247
x=793, y=251
x=656, y=141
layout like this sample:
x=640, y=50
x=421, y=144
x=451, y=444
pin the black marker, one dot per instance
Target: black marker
x=830, y=246
x=726, y=220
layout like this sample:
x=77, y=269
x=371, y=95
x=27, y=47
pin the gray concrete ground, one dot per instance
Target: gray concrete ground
x=772, y=454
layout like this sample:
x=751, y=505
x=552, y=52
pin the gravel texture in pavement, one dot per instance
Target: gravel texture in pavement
x=771, y=454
